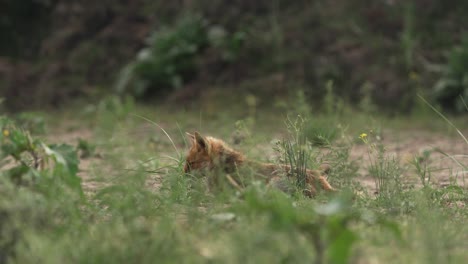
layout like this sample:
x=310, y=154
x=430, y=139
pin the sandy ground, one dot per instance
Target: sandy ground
x=410, y=145
x=404, y=145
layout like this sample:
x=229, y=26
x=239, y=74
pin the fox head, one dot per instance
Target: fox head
x=198, y=156
x=209, y=153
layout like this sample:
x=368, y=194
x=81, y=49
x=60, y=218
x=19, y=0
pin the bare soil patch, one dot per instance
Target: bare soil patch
x=405, y=146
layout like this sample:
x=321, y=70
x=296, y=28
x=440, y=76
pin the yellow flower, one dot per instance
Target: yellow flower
x=6, y=133
x=363, y=136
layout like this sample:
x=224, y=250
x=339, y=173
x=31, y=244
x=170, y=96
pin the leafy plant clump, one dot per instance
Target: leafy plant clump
x=328, y=228
x=37, y=181
x=451, y=91
x=171, y=56
x=27, y=161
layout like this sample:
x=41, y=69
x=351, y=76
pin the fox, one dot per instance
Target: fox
x=209, y=154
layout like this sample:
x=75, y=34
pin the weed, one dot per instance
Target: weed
x=423, y=170
x=297, y=152
x=24, y=157
x=385, y=170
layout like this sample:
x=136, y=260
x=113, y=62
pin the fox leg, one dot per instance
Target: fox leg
x=314, y=176
x=325, y=184
x=324, y=169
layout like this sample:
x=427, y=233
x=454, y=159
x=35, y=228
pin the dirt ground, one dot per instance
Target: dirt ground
x=405, y=146
x=410, y=145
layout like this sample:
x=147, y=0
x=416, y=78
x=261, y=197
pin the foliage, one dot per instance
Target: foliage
x=28, y=161
x=451, y=91
x=170, y=58
x=327, y=227
x=376, y=46
x=140, y=206
x=36, y=181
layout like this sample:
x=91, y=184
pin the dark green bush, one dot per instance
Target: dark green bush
x=451, y=91
x=171, y=57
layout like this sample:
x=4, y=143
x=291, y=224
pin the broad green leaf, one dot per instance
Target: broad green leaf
x=339, y=250
x=65, y=155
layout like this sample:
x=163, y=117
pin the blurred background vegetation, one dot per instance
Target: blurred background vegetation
x=380, y=53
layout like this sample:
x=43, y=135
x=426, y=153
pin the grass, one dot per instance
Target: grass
x=140, y=207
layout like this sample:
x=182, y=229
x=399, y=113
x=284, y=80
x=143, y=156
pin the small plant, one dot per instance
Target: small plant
x=421, y=165
x=24, y=159
x=297, y=152
x=85, y=148
x=385, y=170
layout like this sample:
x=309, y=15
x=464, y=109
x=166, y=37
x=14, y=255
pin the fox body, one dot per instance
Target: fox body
x=208, y=154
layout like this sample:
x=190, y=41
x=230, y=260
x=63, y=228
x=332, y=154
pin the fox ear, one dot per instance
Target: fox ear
x=190, y=136
x=201, y=141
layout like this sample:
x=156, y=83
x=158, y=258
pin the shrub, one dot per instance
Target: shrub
x=170, y=59
x=453, y=84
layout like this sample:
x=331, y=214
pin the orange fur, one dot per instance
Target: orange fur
x=208, y=153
